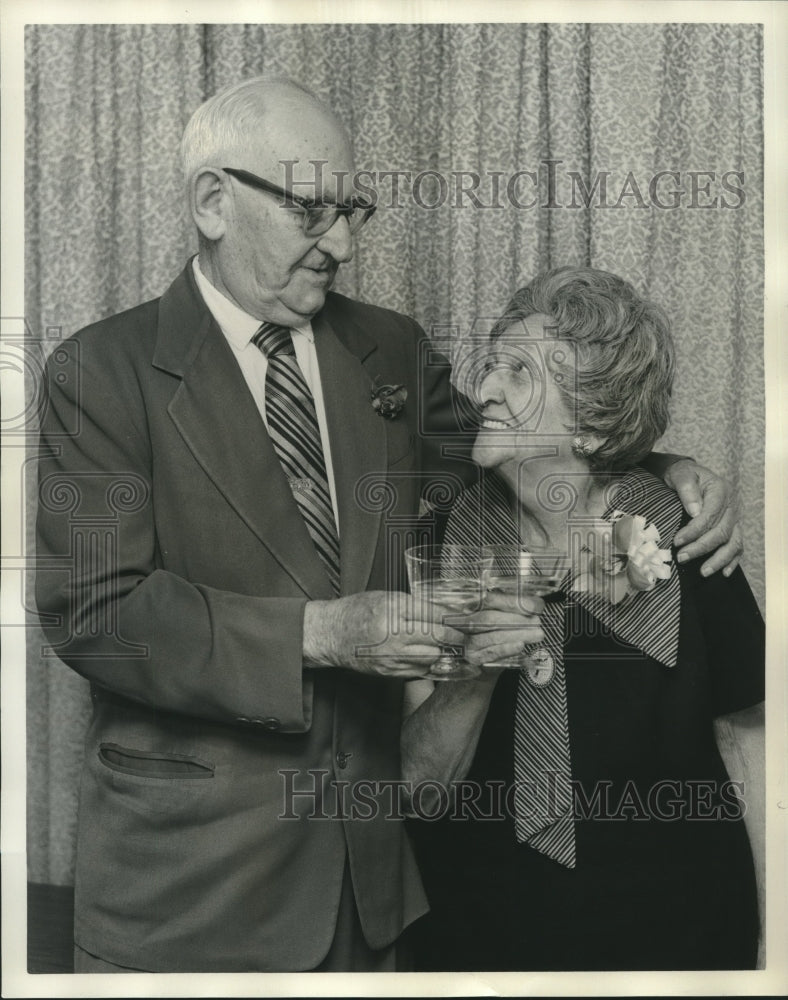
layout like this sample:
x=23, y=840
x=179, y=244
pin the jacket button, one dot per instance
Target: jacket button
x=342, y=758
x=241, y=718
x=272, y=723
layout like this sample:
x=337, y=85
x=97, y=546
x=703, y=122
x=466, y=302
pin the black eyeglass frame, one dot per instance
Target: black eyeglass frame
x=308, y=205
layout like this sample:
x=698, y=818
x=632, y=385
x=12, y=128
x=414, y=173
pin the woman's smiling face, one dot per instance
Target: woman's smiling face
x=523, y=413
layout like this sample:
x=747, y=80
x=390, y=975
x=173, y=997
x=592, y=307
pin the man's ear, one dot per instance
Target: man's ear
x=208, y=203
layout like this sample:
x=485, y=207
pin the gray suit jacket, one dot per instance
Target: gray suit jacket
x=174, y=572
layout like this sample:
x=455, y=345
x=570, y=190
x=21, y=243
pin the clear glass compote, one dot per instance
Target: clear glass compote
x=452, y=577
x=522, y=571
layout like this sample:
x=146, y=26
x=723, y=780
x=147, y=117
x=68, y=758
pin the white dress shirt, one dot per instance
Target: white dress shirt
x=239, y=327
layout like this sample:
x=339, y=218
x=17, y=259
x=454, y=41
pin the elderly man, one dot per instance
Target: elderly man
x=226, y=432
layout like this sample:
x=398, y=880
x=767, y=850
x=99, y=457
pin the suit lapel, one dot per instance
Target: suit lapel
x=357, y=438
x=216, y=416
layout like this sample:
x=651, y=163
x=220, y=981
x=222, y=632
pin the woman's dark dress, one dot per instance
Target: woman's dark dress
x=664, y=876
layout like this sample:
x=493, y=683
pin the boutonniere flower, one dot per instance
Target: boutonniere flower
x=625, y=558
x=388, y=400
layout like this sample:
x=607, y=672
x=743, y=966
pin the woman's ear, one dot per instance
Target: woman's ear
x=585, y=445
x=595, y=442
x=208, y=203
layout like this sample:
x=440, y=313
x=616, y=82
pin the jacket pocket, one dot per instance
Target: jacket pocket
x=149, y=764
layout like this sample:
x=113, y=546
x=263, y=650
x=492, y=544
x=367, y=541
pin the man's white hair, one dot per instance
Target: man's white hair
x=224, y=123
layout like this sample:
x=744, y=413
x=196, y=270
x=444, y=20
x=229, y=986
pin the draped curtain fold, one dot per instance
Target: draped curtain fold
x=574, y=120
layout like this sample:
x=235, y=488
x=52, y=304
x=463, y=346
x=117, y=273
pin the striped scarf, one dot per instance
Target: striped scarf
x=647, y=620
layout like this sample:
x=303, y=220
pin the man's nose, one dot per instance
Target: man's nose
x=337, y=242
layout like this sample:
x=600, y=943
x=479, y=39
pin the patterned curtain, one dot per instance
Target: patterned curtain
x=499, y=150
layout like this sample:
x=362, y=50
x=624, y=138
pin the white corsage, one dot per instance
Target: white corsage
x=623, y=557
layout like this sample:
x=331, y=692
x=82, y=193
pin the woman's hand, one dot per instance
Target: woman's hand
x=501, y=629
x=714, y=527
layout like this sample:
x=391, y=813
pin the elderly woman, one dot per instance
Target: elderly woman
x=589, y=821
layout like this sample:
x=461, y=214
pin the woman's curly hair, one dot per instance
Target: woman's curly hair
x=618, y=378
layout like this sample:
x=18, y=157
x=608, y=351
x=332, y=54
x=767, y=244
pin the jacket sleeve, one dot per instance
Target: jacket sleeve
x=658, y=463
x=107, y=607
x=448, y=423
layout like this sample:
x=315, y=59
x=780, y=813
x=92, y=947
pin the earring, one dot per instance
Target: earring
x=582, y=447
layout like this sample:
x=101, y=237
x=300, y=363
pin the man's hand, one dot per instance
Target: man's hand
x=715, y=524
x=378, y=632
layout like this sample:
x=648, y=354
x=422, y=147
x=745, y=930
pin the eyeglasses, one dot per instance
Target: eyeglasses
x=318, y=216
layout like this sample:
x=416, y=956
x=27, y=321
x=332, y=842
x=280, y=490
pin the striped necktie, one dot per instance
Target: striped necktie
x=295, y=435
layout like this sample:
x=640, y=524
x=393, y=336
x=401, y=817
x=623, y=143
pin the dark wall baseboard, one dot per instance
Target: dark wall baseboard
x=50, y=928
